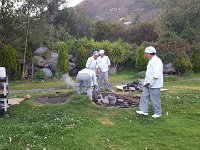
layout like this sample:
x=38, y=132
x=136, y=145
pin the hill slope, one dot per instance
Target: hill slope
x=123, y=10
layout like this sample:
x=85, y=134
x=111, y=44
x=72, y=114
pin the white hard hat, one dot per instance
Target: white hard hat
x=150, y=50
x=101, y=51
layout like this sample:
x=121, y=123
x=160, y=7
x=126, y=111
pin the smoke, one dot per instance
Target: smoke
x=68, y=80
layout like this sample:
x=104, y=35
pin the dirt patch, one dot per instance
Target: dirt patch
x=105, y=121
x=53, y=100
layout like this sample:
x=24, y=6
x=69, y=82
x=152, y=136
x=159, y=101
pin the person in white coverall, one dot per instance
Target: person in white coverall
x=103, y=65
x=152, y=84
x=86, y=81
x=92, y=61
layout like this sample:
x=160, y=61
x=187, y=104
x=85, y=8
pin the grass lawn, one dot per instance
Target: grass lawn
x=82, y=125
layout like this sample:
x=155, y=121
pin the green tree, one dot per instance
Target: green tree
x=141, y=33
x=81, y=57
x=170, y=46
x=63, y=61
x=141, y=61
x=8, y=26
x=182, y=17
x=119, y=52
x=182, y=65
x=196, y=63
x=102, y=30
x=9, y=59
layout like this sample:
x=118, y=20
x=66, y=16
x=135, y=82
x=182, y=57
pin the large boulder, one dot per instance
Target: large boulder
x=47, y=72
x=71, y=58
x=40, y=61
x=52, y=61
x=40, y=50
x=72, y=66
x=73, y=72
x=168, y=68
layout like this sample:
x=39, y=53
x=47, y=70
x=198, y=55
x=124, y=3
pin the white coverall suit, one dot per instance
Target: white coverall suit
x=86, y=79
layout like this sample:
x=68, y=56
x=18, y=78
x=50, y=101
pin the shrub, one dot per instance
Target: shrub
x=39, y=75
x=182, y=65
x=81, y=57
x=141, y=61
x=170, y=46
x=196, y=63
x=9, y=59
x=119, y=52
x=63, y=60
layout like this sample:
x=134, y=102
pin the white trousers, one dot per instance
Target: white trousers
x=152, y=94
x=84, y=84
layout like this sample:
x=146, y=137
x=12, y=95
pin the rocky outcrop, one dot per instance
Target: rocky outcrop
x=46, y=61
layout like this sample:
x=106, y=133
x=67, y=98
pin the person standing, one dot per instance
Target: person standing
x=86, y=81
x=152, y=84
x=103, y=68
x=92, y=61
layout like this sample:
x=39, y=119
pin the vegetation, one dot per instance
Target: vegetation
x=196, y=63
x=141, y=61
x=9, y=59
x=63, y=60
x=79, y=124
x=81, y=58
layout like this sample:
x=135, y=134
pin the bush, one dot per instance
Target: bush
x=39, y=75
x=170, y=46
x=121, y=52
x=81, y=57
x=182, y=65
x=63, y=60
x=9, y=59
x=196, y=63
x=141, y=61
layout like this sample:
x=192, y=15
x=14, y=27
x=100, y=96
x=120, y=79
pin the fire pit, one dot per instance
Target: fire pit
x=120, y=100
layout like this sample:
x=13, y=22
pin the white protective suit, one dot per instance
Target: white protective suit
x=86, y=79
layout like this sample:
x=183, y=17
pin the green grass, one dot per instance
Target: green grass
x=81, y=125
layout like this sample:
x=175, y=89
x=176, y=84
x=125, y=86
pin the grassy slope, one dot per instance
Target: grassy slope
x=79, y=124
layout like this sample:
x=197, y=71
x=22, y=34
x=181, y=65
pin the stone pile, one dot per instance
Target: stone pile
x=116, y=100
x=46, y=61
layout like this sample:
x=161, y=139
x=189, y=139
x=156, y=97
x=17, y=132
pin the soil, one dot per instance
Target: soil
x=52, y=100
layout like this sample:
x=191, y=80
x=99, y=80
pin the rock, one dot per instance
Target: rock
x=105, y=100
x=40, y=61
x=47, y=72
x=120, y=100
x=132, y=88
x=72, y=66
x=95, y=95
x=113, y=71
x=52, y=61
x=71, y=58
x=112, y=99
x=40, y=50
x=73, y=72
x=54, y=57
x=169, y=69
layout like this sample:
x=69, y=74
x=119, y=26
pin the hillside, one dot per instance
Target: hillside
x=122, y=10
